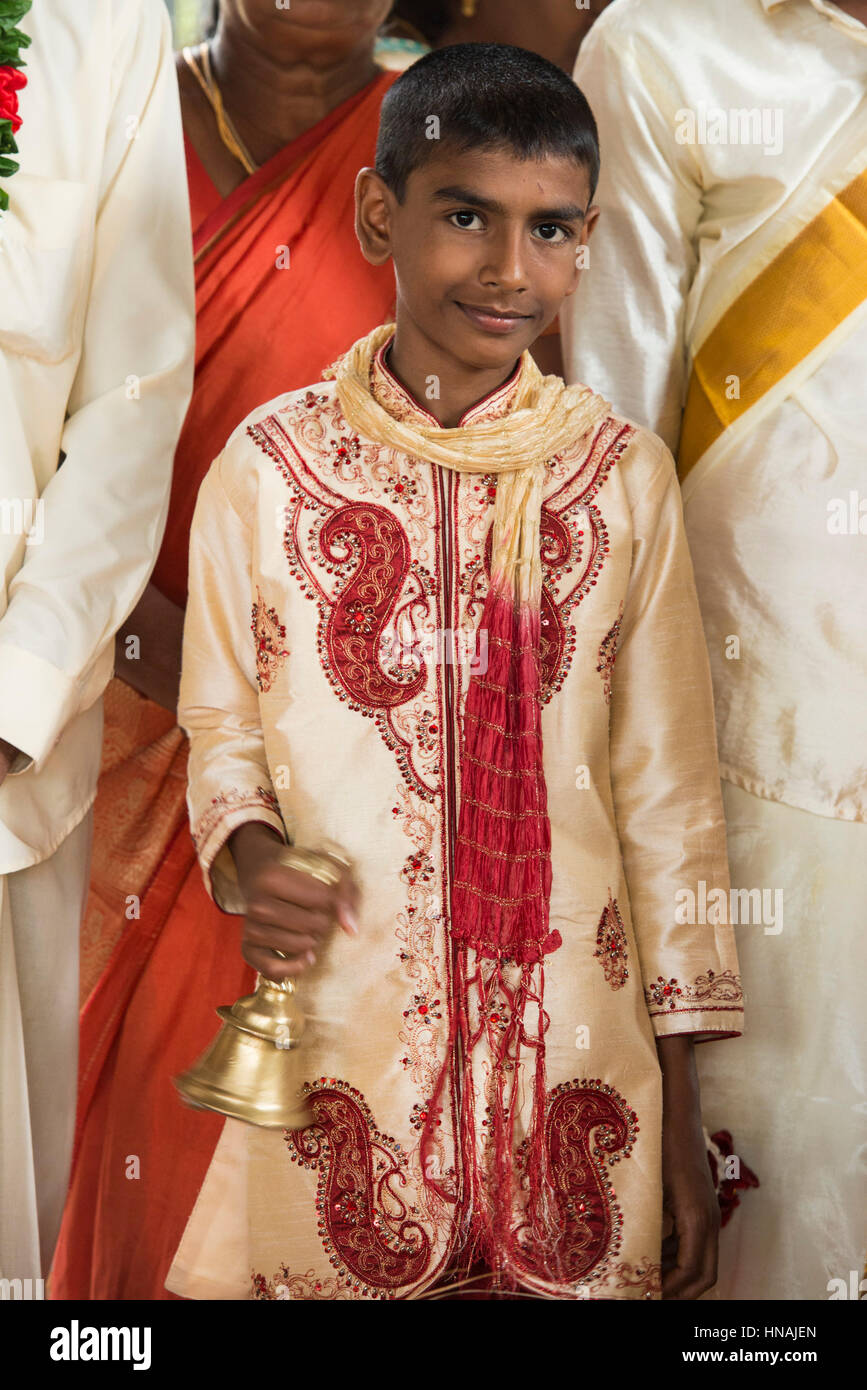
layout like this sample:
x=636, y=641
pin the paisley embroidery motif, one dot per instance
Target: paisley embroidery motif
x=354, y=560
x=589, y=1128
x=607, y=655
x=372, y=1238
x=269, y=634
x=611, y=944
x=353, y=633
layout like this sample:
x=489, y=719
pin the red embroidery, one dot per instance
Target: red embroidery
x=423, y=1007
x=611, y=944
x=589, y=1128
x=663, y=992
x=607, y=655
x=225, y=804
x=353, y=633
x=310, y=1286
x=400, y=488
x=646, y=1276
x=366, y=550
x=370, y=1235
x=709, y=993
x=269, y=633
x=573, y=538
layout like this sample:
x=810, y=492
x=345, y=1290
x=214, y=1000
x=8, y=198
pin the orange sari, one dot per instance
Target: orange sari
x=263, y=327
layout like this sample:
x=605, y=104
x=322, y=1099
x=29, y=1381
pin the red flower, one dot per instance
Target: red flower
x=11, y=82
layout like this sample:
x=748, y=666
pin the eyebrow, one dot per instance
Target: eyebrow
x=453, y=193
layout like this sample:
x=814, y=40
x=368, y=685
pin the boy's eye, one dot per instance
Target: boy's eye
x=465, y=219
x=552, y=231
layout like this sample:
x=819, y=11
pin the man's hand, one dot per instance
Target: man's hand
x=287, y=910
x=689, y=1254
x=8, y=754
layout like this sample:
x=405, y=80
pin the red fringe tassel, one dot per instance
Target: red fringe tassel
x=500, y=911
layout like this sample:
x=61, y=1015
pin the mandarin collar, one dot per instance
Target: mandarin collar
x=401, y=405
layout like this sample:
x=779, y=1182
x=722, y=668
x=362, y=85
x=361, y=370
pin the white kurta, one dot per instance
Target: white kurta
x=96, y=360
x=684, y=229
x=322, y=568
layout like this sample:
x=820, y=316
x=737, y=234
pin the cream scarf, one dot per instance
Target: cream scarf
x=547, y=418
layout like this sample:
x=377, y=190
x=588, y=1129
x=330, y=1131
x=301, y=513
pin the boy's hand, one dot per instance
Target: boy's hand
x=689, y=1254
x=287, y=910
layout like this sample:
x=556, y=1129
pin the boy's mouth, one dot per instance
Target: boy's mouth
x=492, y=320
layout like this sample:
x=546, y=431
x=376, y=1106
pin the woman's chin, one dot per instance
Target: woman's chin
x=324, y=17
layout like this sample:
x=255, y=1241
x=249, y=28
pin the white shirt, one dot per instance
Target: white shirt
x=96, y=360
x=675, y=244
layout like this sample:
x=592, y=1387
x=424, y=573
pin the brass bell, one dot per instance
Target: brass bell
x=252, y=1069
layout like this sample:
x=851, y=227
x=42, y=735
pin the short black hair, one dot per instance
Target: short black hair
x=484, y=96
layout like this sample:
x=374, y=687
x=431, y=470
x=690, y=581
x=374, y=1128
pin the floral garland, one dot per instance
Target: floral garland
x=11, y=82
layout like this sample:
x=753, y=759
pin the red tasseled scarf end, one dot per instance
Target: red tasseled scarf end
x=500, y=909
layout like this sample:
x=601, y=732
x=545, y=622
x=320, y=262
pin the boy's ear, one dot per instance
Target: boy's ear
x=591, y=217
x=373, y=200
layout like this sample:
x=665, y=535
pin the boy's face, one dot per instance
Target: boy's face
x=485, y=248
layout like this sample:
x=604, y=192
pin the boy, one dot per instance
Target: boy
x=485, y=1039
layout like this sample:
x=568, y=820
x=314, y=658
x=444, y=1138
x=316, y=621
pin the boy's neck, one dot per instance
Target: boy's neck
x=420, y=365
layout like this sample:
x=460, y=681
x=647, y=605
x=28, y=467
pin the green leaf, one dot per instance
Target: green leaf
x=13, y=10
x=9, y=46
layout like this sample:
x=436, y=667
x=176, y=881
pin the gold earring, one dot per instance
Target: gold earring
x=468, y=9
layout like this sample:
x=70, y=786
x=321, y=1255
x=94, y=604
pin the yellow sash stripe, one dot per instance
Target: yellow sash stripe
x=809, y=288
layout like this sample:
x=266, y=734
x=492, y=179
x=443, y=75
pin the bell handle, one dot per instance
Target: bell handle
x=287, y=986
x=309, y=862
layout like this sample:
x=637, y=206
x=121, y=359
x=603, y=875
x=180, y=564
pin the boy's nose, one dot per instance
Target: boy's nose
x=505, y=264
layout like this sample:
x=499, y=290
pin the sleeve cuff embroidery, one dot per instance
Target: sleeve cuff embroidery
x=712, y=1005
x=228, y=811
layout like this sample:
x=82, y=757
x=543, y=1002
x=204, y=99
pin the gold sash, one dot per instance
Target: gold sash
x=790, y=307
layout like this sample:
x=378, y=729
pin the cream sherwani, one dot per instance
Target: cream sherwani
x=781, y=568
x=96, y=360
x=324, y=570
